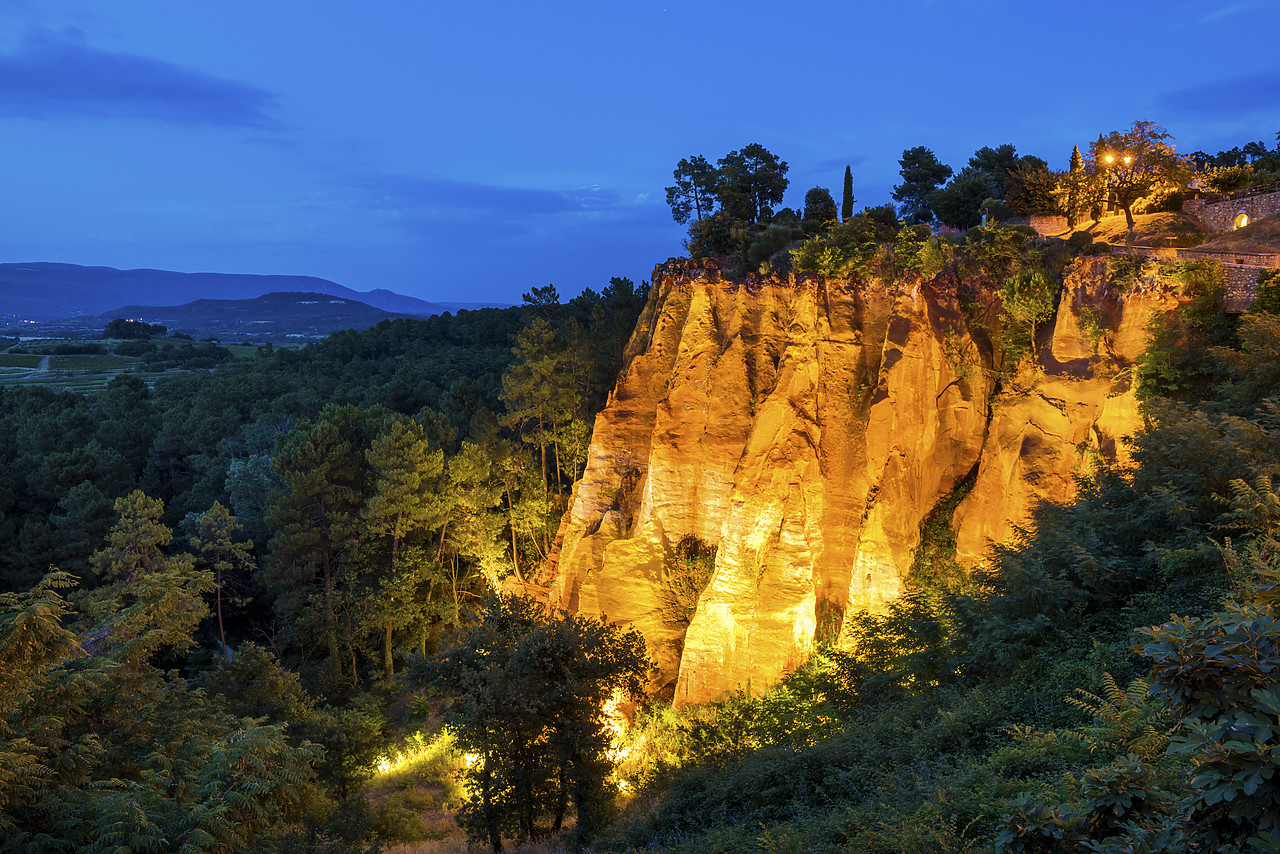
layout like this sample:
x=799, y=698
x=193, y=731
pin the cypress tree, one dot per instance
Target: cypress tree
x=846, y=204
x=1075, y=187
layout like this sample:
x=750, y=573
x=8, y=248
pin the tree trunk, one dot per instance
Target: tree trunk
x=453, y=581
x=556, y=447
x=515, y=555
x=440, y=547
x=326, y=564
x=222, y=632
x=387, y=665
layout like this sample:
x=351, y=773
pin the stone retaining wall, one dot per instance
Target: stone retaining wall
x=1220, y=215
x=1240, y=286
x=1240, y=281
x=1044, y=225
x=1244, y=259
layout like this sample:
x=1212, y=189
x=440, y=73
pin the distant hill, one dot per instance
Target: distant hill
x=47, y=291
x=274, y=316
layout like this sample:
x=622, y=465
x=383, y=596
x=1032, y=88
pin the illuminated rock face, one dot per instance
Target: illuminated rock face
x=805, y=429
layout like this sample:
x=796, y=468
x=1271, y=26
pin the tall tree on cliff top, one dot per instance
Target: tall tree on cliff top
x=997, y=164
x=846, y=202
x=752, y=181
x=922, y=173
x=819, y=208
x=1074, y=191
x=694, y=190
x=1132, y=164
x=1032, y=189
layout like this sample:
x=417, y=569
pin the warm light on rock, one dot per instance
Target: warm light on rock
x=805, y=429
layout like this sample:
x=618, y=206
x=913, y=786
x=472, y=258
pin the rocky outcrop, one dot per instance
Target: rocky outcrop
x=802, y=430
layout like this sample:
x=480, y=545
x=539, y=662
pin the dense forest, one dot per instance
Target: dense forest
x=232, y=602
x=268, y=540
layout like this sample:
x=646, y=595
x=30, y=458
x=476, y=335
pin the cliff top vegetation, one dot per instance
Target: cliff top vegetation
x=1135, y=171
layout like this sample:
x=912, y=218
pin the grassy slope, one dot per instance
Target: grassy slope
x=1260, y=236
x=1157, y=229
x=1168, y=229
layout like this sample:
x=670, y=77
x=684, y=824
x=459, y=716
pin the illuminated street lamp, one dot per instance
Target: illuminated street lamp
x=1110, y=159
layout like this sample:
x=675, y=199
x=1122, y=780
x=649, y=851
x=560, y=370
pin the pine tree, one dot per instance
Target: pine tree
x=406, y=498
x=540, y=391
x=215, y=539
x=315, y=517
x=152, y=601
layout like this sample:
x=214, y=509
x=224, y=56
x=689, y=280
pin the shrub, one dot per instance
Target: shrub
x=998, y=211
x=1268, y=299
x=769, y=244
x=1080, y=241
x=685, y=578
x=718, y=234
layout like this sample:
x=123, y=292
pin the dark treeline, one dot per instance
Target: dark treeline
x=323, y=512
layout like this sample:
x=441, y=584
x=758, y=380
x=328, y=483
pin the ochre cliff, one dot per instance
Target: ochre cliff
x=804, y=429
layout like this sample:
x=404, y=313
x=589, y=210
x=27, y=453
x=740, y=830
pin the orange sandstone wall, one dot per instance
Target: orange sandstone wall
x=805, y=428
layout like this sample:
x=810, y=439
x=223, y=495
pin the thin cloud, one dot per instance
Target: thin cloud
x=1232, y=97
x=470, y=200
x=1225, y=12
x=55, y=77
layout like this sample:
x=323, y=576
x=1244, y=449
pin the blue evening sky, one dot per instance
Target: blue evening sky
x=471, y=151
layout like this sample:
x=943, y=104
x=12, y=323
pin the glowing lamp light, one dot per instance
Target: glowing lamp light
x=1110, y=158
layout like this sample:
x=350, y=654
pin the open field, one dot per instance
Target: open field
x=19, y=360
x=242, y=351
x=91, y=363
x=82, y=374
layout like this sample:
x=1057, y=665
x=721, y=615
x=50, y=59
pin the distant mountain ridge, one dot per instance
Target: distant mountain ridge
x=273, y=316
x=50, y=291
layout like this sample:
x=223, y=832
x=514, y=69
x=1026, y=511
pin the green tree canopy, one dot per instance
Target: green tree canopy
x=1130, y=165
x=752, y=181
x=819, y=208
x=694, y=191
x=124, y=328
x=407, y=498
x=529, y=693
x=1032, y=189
x=922, y=173
x=959, y=204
